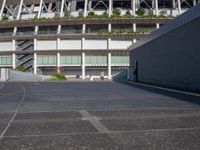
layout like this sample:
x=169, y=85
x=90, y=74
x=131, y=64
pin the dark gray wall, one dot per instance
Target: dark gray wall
x=173, y=59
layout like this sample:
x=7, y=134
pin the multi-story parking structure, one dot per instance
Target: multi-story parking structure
x=80, y=37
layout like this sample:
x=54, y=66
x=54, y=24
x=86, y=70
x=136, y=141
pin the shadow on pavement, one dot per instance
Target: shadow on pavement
x=179, y=96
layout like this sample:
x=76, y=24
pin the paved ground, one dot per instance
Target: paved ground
x=96, y=116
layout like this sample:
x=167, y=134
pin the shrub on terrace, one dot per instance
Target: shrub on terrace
x=21, y=68
x=150, y=14
x=140, y=12
x=67, y=14
x=116, y=13
x=59, y=76
x=80, y=14
x=4, y=19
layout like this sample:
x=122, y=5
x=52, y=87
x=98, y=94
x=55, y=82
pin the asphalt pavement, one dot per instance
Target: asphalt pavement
x=97, y=116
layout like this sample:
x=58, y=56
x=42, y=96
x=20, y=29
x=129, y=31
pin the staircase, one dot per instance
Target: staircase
x=25, y=60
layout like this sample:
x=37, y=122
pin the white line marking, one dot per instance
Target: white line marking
x=166, y=89
x=16, y=111
x=105, y=132
x=94, y=121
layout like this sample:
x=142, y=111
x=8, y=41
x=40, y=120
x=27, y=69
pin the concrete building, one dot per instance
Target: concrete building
x=81, y=37
x=170, y=56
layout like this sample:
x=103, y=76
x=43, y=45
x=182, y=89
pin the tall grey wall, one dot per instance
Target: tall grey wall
x=173, y=59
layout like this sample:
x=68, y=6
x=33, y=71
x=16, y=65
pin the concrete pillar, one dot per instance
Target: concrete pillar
x=14, y=61
x=157, y=25
x=59, y=29
x=83, y=44
x=58, y=43
x=20, y=8
x=32, y=8
x=110, y=8
x=13, y=55
x=35, y=57
x=174, y=4
x=35, y=44
x=194, y=2
x=69, y=6
x=2, y=8
x=83, y=65
x=90, y=5
x=15, y=31
x=133, y=7
x=62, y=9
x=40, y=9
x=153, y=4
x=156, y=8
x=109, y=66
x=109, y=27
x=58, y=61
x=134, y=41
x=108, y=43
x=85, y=8
x=179, y=7
x=134, y=27
x=83, y=28
x=35, y=63
x=49, y=7
x=83, y=58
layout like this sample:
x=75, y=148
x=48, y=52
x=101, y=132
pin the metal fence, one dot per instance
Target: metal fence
x=8, y=74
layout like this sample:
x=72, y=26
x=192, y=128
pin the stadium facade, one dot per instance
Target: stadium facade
x=80, y=37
